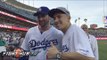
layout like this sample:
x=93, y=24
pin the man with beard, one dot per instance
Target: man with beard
x=38, y=38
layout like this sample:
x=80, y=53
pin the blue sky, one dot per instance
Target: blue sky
x=92, y=10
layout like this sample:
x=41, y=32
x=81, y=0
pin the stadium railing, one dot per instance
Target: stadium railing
x=17, y=11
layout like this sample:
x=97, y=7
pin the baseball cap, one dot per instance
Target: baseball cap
x=42, y=11
x=58, y=10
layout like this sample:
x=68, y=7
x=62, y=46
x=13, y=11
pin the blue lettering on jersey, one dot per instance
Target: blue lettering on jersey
x=42, y=44
x=65, y=48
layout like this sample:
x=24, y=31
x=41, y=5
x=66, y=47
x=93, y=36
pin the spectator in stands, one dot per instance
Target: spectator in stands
x=92, y=41
x=21, y=39
x=2, y=47
x=2, y=44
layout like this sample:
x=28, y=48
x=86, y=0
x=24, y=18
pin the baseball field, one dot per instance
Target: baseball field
x=102, y=49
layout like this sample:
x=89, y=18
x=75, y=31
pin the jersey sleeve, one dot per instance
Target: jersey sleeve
x=25, y=42
x=81, y=43
x=58, y=35
x=95, y=47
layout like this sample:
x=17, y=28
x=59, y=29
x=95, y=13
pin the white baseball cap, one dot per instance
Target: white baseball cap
x=63, y=10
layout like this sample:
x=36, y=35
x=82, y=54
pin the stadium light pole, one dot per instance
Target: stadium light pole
x=78, y=21
x=85, y=20
x=33, y=3
x=104, y=15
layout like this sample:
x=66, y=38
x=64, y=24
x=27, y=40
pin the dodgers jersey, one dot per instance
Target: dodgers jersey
x=36, y=42
x=94, y=46
x=76, y=40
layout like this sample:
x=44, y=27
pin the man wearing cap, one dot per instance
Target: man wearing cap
x=75, y=43
x=38, y=38
x=92, y=41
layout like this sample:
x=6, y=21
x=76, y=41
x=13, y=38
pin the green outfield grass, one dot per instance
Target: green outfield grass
x=102, y=49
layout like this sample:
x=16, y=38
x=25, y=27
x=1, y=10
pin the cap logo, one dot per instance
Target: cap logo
x=39, y=9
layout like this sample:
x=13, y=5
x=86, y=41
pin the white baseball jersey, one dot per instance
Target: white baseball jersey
x=76, y=40
x=36, y=42
x=94, y=46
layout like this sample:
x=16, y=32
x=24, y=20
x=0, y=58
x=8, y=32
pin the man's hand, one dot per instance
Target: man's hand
x=52, y=51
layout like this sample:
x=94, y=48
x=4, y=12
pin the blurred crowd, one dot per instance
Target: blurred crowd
x=98, y=32
x=9, y=41
x=22, y=12
x=12, y=38
x=12, y=23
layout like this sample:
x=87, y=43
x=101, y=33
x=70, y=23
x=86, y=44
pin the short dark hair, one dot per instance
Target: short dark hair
x=84, y=26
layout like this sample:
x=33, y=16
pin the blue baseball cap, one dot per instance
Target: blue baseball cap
x=42, y=11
